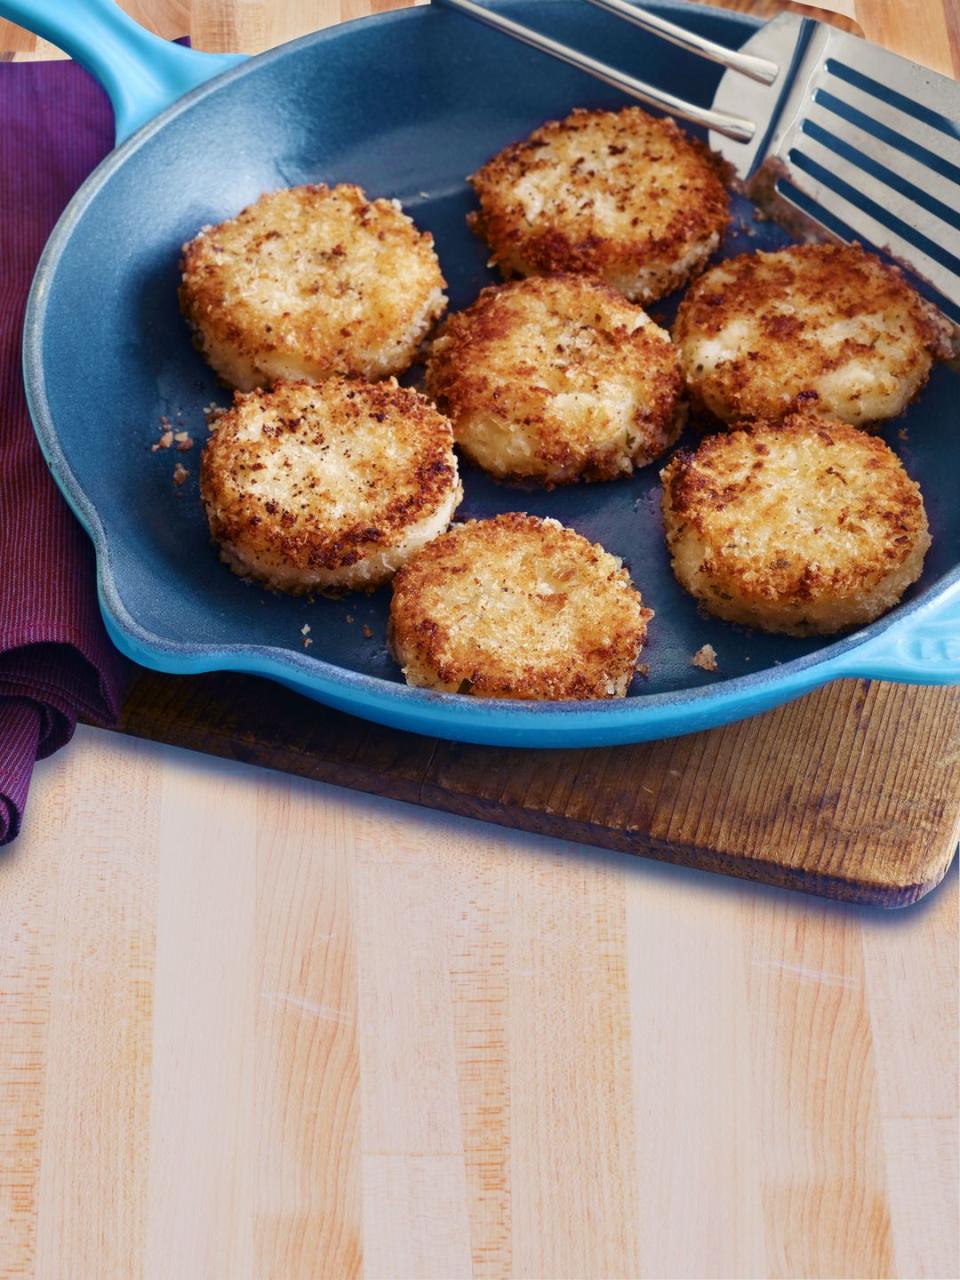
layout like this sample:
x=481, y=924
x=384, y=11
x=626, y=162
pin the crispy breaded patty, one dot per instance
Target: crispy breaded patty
x=618, y=194
x=308, y=282
x=328, y=488
x=517, y=607
x=806, y=526
x=555, y=379
x=815, y=326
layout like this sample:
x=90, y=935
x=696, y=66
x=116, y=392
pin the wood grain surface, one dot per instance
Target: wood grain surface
x=255, y=1026
x=827, y=795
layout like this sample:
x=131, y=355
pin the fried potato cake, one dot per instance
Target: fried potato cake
x=618, y=194
x=517, y=607
x=556, y=379
x=815, y=326
x=330, y=487
x=807, y=526
x=311, y=281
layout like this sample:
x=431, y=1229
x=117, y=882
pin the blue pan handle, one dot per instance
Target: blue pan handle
x=141, y=73
x=923, y=648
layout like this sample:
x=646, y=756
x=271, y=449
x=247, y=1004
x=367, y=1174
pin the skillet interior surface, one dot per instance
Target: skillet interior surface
x=406, y=105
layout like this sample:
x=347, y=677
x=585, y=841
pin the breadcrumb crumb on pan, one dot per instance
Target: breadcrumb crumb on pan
x=557, y=379
x=807, y=526
x=517, y=607
x=825, y=327
x=330, y=487
x=618, y=194
x=705, y=658
x=308, y=282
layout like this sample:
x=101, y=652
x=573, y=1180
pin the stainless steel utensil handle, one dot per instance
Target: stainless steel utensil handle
x=747, y=64
x=736, y=127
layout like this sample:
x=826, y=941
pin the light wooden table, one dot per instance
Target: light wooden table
x=256, y=1027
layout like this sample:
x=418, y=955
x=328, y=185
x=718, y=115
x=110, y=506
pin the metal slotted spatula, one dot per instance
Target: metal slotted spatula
x=823, y=128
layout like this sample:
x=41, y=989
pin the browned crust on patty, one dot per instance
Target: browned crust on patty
x=628, y=191
x=316, y=279
x=786, y=304
x=293, y=521
x=804, y=513
x=520, y=346
x=480, y=608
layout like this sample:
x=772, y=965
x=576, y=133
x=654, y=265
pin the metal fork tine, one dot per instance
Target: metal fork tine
x=731, y=126
x=762, y=69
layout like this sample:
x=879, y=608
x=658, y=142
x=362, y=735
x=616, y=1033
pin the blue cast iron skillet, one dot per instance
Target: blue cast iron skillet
x=406, y=104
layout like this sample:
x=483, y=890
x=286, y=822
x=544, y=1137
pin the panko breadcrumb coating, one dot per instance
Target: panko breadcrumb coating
x=308, y=282
x=328, y=488
x=517, y=607
x=557, y=379
x=815, y=326
x=807, y=526
x=618, y=194
x=705, y=658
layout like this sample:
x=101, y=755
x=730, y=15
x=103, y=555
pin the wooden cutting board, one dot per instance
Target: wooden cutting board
x=852, y=792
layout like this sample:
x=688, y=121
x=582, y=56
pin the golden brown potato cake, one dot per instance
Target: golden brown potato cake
x=517, y=607
x=556, y=379
x=618, y=194
x=328, y=487
x=806, y=526
x=311, y=281
x=824, y=327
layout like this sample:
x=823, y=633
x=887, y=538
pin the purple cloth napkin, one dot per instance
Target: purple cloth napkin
x=55, y=659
